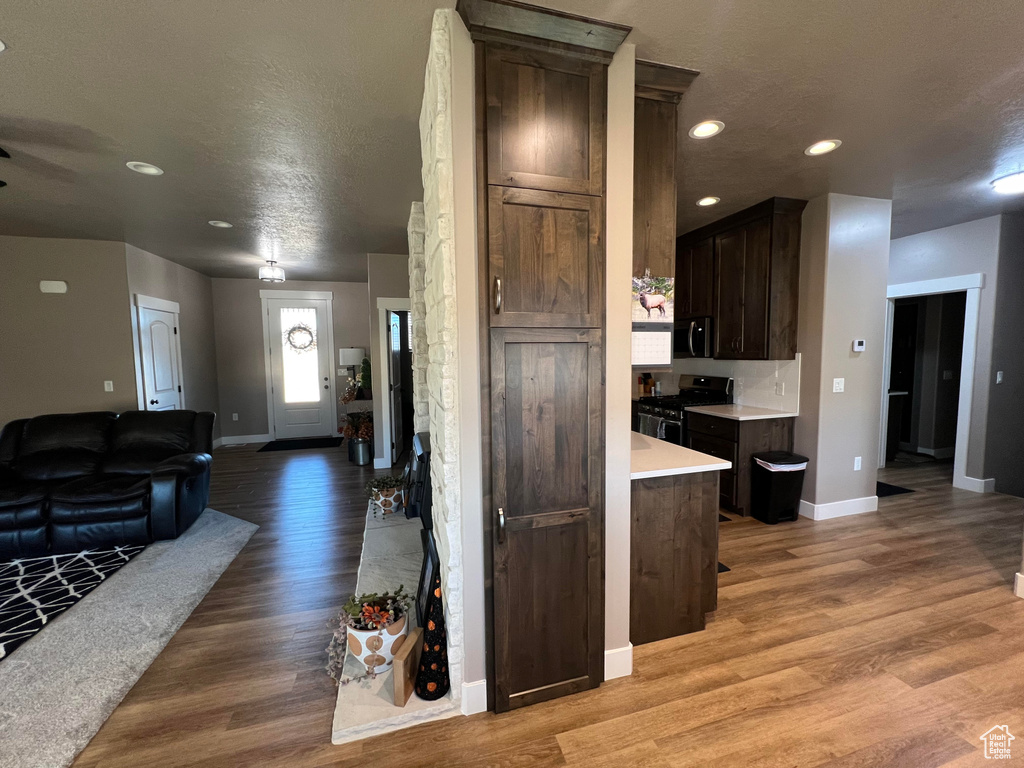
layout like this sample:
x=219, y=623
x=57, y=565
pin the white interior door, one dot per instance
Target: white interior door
x=302, y=389
x=395, y=393
x=161, y=365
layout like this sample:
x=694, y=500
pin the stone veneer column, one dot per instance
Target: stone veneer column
x=440, y=322
x=417, y=284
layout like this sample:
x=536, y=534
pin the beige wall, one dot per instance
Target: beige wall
x=619, y=254
x=387, y=277
x=238, y=327
x=844, y=261
x=151, y=275
x=56, y=350
x=963, y=249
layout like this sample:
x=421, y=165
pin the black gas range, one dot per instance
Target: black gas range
x=664, y=416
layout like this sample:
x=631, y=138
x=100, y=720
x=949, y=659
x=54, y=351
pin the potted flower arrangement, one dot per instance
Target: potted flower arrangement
x=358, y=426
x=372, y=627
x=387, y=493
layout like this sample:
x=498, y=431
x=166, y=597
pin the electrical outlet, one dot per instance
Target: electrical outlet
x=838, y=385
x=108, y=386
x=780, y=388
x=234, y=417
x=856, y=463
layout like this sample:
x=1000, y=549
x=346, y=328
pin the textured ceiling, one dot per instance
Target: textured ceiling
x=297, y=121
x=927, y=97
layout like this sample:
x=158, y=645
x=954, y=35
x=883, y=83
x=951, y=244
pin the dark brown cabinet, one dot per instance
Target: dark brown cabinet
x=547, y=463
x=545, y=120
x=755, y=283
x=695, y=279
x=546, y=259
x=540, y=155
x=736, y=441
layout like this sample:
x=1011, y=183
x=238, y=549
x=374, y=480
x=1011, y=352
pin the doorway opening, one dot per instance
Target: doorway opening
x=396, y=379
x=930, y=351
x=924, y=381
x=298, y=346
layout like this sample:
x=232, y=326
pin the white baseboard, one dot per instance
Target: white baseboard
x=1018, y=584
x=975, y=484
x=241, y=440
x=217, y=442
x=618, y=662
x=474, y=697
x=382, y=463
x=838, y=508
x=938, y=453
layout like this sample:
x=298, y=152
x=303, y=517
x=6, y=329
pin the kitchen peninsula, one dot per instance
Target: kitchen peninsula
x=673, y=538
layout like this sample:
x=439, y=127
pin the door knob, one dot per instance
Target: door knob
x=154, y=402
x=501, y=525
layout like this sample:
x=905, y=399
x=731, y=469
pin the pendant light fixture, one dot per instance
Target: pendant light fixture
x=272, y=273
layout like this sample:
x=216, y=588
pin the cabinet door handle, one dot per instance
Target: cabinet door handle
x=497, y=295
x=690, y=340
x=501, y=525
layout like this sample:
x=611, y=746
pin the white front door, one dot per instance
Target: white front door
x=302, y=388
x=161, y=372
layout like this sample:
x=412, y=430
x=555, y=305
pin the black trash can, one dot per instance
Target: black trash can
x=776, y=479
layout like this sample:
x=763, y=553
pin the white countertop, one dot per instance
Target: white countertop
x=740, y=412
x=650, y=457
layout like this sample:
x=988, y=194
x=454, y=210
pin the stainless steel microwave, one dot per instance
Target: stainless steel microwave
x=693, y=338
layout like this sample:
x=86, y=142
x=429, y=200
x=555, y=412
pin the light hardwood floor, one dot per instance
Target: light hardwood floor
x=885, y=639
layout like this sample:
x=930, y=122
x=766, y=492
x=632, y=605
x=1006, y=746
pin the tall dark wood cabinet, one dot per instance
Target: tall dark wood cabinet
x=541, y=82
x=754, y=291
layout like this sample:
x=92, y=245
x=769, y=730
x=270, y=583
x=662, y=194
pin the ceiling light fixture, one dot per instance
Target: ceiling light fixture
x=823, y=147
x=4, y=153
x=1009, y=185
x=3, y=46
x=220, y=224
x=271, y=273
x=3, y=183
x=707, y=129
x=146, y=169
x=704, y=202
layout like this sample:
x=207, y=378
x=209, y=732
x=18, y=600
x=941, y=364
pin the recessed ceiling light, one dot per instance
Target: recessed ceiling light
x=3, y=183
x=823, y=147
x=707, y=129
x=145, y=168
x=3, y=46
x=1009, y=185
x=704, y=202
x=220, y=224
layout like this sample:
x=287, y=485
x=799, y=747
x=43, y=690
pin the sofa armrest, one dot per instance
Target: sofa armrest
x=179, y=491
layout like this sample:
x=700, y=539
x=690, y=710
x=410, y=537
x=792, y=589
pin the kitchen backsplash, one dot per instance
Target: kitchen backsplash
x=756, y=382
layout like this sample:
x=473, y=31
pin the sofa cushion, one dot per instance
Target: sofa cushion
x=22, y=520
x=62, y=446
x=97, y=491
x=142, y=439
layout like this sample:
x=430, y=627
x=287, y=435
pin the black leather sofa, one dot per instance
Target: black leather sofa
x=77, y=481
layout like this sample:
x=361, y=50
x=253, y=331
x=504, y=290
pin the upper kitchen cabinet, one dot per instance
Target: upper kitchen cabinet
x=546, y=259
x=659, y=88
x=695, y=279
x=545, y=120
x=755, y=283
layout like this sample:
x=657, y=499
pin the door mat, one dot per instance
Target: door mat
x=34, y=591
x=299, y=444
x=884, y=489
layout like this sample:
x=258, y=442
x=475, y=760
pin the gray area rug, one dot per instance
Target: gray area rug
x=62, y=684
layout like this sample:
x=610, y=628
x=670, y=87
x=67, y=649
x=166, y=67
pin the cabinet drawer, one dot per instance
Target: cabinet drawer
x=727, y=429
x=714, y=446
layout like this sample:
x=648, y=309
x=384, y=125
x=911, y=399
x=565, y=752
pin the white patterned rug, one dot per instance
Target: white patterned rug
x=36, y=590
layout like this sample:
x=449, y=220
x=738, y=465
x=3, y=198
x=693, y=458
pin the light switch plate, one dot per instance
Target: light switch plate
x=838, y=385
x=999, y=377
x=108, y=386
x=780, y=388
x=234, y=417
x=856, y=463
